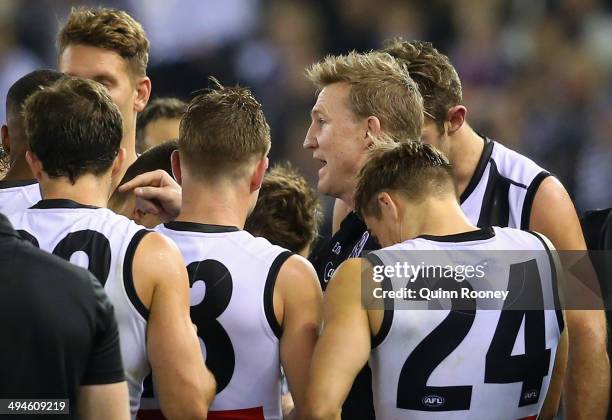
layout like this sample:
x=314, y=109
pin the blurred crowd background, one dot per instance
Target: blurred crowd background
x=536, y=73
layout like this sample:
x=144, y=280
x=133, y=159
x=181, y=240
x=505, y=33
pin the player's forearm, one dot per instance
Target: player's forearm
x=189, y=394
x=587, y=383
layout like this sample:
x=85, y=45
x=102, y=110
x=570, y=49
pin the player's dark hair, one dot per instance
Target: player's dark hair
x=27, y=85
x=288, y=212
x=433, y=73
x=413, y=169
x=222, y=132
x=73, y=127
x=156, y=109
x=157, y=157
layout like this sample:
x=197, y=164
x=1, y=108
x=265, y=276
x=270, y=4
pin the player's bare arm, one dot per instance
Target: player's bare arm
x=555, y=388
x=297, y=306
x=588, y=370
x=343, y=347
x=156, y=193
x=101, y=402
x=185, y=387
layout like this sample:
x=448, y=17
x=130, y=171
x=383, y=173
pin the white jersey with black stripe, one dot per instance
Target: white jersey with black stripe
x=18, y=195
x=483, y=363
x=502, y=189
x=105, y=243
x=232, y=276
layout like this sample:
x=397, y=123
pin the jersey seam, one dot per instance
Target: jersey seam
x=128, y=278
x=269, y=292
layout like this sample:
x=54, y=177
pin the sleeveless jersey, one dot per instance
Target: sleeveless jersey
x=232, y=276
x=502, y=189
x=477, y=363
x=105, y=243
x=500, y=193
x=18, y=195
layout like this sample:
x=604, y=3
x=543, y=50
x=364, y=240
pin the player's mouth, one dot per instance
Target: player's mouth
x=323, y=164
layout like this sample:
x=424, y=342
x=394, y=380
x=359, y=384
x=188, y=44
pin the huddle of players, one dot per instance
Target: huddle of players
x=253, y=303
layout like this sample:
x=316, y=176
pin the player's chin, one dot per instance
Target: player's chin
x=323, y=185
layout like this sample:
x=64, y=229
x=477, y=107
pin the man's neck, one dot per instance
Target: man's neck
x=213, y=205
x=348, y=197
x=466, y=149
x=19, y=171
x=437, y=217
x=88, y=189
x=129, y=143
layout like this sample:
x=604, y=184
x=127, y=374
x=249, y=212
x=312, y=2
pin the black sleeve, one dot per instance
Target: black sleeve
x=105, y=366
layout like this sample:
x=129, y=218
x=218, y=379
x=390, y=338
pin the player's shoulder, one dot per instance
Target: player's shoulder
x=258, y=248
x=514, y=165
x=512, y=238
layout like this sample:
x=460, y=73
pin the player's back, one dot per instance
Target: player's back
x=475, y=361
x=18, y=195
x=232, y=276
x=105, y=243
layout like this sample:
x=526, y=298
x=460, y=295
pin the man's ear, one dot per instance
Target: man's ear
x=35, y=164
x=175, y=161
x=373, y=130
x=259, y=173
x=143, y=92
x=117, y=170
x=455, y=118
x=118, y=162
x=6, y=145
x=388, y=205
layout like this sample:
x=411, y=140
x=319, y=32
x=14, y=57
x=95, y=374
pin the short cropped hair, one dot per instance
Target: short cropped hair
x=27, y=85
x=380, y=86
x=157, y=157
x=110, y=29
x=287, y=212
x=73, y=127
x=223, y=129
x=432, y=71
x=413, y=169
x=156, y=109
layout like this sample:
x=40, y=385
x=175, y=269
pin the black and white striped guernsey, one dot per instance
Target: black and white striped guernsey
x=502, y=189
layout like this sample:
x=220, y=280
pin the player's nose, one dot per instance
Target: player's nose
x=310, y=142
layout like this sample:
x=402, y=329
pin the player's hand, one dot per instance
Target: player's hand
x=156, y=193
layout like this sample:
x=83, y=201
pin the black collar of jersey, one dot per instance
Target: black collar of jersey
x=480, y=168
x=21, y=183
x=6, y=228
x=473, y=235
x=61, y=203
x=200, y=227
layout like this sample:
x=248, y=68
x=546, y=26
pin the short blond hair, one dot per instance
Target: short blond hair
x=380, y=86
x=110, y=29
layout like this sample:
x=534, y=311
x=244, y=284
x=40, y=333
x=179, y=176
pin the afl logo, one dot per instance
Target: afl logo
x=433, y=401
x=531, y=395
